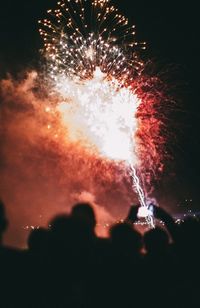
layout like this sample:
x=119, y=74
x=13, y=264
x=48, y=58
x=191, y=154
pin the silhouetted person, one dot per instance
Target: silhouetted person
x=85, y=213
x=67, y=265
x=125, y=240
x=71, y=234
x=38, y=240
x=161, y=263
x=156, y=242
x=12, y=270
x=39, y=265
x=125, y=267
x=72, y=260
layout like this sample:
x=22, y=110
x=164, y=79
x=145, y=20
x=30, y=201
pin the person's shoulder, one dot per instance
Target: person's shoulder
x=101, y=241
x=103, y=245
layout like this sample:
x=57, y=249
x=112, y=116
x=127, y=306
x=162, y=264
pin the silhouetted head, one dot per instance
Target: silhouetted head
x=62, y=225
x=85, y=213
x=67, y=227
x=156, y=241
x=38, y=240
x=70, y=234
x=125, y=239
x=63, y=233
x=3, y=219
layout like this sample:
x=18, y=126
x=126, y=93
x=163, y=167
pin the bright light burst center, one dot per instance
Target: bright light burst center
x=100, y=114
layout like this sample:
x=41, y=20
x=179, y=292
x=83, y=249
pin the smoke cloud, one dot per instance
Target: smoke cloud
x=42, y=172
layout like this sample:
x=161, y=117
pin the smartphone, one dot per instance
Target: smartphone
x=145, y=211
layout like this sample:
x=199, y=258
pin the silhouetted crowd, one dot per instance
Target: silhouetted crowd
x=67, y=265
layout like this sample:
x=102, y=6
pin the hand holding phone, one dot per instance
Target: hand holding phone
x=138, y=211
x=133, y=213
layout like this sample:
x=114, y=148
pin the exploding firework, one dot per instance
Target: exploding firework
x=82, y=35
x=94, y=68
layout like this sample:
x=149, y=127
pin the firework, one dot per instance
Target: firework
x=92, y=63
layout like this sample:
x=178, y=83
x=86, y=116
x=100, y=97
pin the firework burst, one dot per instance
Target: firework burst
x=94, y=67
x=82, y=35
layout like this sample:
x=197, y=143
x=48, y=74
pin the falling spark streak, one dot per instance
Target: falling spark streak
x=92, y=63
x=136, y=185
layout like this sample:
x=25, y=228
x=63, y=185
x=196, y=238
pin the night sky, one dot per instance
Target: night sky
x=171, y=30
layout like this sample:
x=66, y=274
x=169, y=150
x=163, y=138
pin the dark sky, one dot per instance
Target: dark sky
x=171, y=30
